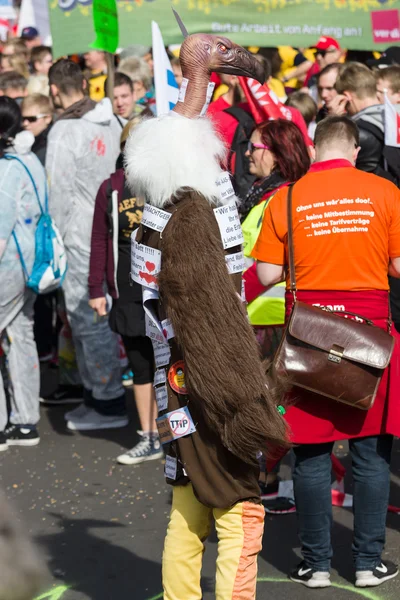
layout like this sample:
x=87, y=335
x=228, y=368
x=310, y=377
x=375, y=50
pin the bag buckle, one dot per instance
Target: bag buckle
x=336, y=354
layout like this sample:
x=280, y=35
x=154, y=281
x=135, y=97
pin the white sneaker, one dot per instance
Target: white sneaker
x=383, y=572
x=92, y=420
x=310, y=577
x=144, y=450
x=77, y=413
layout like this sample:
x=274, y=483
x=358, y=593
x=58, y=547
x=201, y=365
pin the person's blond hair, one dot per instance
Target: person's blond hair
x=305, y=104
x=43, y=103
x=18, y=46
x=356, y=78
x=137, y=69
x=39, y=53
x=18, y=64
x=391, y=75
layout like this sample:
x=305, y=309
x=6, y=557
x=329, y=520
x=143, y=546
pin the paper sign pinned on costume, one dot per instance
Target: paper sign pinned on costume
x=162, y=354
x=161, y=397
x=150, y=300
x=155, y=218
x=243, y=293
x=235, y=263
x=175, y=424
x=167, y=329
x=160, y=377
x=210, y=91
x=171, y=466
x=229, y=224
x=145, y=264
x=182, y=90
x=224, y=186
x=152, y=331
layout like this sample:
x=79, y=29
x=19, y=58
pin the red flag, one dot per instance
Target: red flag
x=264, y=103
x=266, y=106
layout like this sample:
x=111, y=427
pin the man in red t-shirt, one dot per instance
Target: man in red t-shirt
x=224, y=123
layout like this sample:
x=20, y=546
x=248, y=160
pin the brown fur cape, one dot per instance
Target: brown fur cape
x=223, y=370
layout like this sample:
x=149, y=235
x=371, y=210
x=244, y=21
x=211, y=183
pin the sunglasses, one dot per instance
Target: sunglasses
x=34, y=119
x=324, y=52
x=252, y=147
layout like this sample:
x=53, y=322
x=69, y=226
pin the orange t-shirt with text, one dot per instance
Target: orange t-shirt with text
x=346, y=226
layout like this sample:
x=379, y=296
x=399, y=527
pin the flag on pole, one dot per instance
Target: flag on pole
x=392, y=124
x=35, y=13
x=264, y=103
x=164, y=79
x=266, y=106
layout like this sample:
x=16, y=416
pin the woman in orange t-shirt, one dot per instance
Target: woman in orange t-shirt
x=346, y=226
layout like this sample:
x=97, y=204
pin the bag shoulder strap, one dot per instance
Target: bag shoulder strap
x=14, y=235
x=292, y=271
x=243, y=118
x=21, y=162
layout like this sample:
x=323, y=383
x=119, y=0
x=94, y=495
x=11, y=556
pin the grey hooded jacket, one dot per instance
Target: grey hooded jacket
x=81, y=154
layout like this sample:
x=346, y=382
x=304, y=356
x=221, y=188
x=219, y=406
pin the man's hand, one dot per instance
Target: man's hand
x=337, y=106
x=99, y=305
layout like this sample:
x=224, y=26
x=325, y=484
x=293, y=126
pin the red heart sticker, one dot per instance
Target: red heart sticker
x=150, y=266
x=147, y=277
x=165, y=332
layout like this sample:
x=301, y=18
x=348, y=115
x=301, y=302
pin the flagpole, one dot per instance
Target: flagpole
x=109, y=87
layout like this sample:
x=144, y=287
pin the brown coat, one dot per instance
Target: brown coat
x=234, y=413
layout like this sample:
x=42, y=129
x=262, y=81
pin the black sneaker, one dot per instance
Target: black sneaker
x=383, y=572
x=64, y=394
x=310, y=577
x=3, y=442
x=279, y=505
x=19, y=435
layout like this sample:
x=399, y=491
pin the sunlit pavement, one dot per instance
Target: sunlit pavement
x=102, y=525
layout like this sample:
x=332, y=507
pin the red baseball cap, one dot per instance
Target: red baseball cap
x=325, y=43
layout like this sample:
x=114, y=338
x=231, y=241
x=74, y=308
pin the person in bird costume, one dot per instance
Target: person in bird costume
x=217, y=409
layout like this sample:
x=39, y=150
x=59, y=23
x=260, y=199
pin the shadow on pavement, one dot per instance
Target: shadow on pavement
x=97, y=567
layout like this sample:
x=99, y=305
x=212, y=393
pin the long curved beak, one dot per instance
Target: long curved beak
x=243, y=64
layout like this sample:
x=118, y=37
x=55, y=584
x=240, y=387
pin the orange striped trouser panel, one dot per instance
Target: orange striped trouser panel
x=239, y=530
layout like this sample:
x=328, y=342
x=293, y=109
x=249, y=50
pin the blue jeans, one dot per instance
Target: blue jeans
x=312, y=488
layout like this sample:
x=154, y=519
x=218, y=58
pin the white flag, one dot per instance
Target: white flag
x=164, y=80
x=35, y=13
x=392, y=124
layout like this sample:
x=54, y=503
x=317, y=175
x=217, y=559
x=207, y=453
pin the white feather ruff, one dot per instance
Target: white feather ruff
x=166, y=153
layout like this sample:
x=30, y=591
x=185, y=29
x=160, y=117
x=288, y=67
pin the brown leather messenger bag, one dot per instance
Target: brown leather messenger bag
x=327, y=354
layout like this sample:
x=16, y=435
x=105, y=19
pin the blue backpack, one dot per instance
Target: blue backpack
x=50, y=265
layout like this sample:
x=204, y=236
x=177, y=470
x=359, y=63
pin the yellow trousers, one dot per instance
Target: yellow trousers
x=239, y=529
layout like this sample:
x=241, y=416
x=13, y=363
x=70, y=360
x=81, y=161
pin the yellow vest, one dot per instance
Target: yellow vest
x=269, y=307
x=96, y=86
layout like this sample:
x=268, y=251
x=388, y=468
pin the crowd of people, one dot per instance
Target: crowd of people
x=63, y=129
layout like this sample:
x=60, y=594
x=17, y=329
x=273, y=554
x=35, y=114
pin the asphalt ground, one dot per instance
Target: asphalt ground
x=101, y=525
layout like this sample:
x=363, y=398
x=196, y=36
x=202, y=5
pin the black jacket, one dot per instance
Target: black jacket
x=40, y=145
x=370, y=122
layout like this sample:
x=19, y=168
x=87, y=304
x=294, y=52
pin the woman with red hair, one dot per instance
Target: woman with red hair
x=277, y=156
